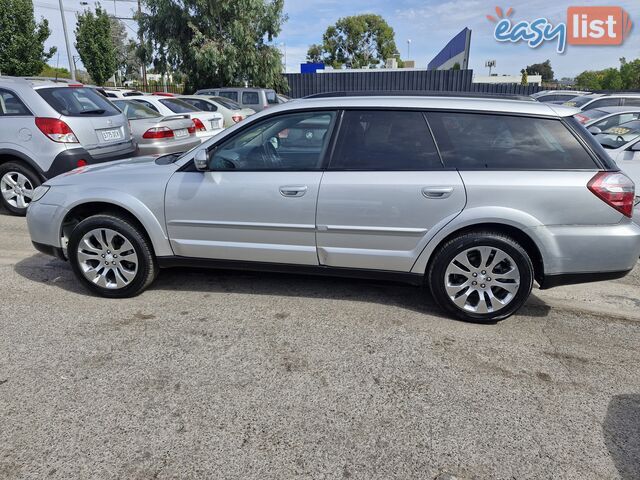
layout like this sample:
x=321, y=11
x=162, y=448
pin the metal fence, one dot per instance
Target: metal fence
x=304, y=84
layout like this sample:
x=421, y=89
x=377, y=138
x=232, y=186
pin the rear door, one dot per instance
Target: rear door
x=385, y=192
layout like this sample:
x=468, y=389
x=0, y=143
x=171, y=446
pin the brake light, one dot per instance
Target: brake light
x=81, y=163
x=199, y=125
x=56, y=130
x=236, y=118
x=615, y=189
x=158, y=132
x=192, y=128
x=581, y=118
x=76, y=85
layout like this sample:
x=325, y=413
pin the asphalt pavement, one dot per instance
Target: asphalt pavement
x=215, y=374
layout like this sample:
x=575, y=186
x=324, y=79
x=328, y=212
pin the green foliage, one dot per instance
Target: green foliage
x=456, y=66
x=627, y=77
x=221, y=43
x=630, y=73
x=95, y=45
x=22, y=40
x=543, y=69
x=53, y=72
x=358, y=41
x=524, y=80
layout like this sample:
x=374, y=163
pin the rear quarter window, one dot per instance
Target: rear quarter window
x=77, y=102
x=475, y=141
x=250, y=98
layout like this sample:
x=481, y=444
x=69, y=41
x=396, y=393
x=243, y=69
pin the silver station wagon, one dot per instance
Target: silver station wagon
x=474, y=198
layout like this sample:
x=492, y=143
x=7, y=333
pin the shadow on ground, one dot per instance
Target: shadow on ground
x=43, y=269
x=621, y=429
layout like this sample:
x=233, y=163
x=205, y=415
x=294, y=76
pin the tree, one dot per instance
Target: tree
x=630, y=73
x=589, y=80
x=359, y=41
x=524, y=80
x=22, y=40
x=456, y=66
x=221, y=43
x=611, y=79
x=54, y=72
x=315, y=54
x=95, y=44
x=543, y=69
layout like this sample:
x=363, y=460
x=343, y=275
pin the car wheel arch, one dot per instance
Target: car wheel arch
x=7, y=155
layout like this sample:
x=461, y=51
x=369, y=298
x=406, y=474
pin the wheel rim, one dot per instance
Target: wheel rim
x=16, y=189
x=107, y=258
x=482, y=280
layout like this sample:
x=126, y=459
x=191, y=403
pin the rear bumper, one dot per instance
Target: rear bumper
x=169, y=147
x=68, y=160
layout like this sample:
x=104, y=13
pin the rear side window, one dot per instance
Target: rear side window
x=11, y=105
x=201, y=104
x=250, y=98
x=385, y=140
x=605, y=102
x=632, y=102
x=77, y=102
x=178, y=106
x=147, y=104
x=474, y=141
x=135, y=110
x=230, y=95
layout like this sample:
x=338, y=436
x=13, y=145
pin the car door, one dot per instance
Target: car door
x=252, y=205
x=384, y=193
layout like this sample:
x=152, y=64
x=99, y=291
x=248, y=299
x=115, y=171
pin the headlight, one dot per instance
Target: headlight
x=39, y=192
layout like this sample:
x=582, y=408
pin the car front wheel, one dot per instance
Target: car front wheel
x=481, y=276
x=111, y=256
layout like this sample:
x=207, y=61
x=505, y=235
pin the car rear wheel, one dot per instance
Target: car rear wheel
x=17, y=183
x=481, y=276
x=111, y=256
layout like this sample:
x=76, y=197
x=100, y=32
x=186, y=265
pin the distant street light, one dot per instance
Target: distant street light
x=66, y=40
x=408, y=49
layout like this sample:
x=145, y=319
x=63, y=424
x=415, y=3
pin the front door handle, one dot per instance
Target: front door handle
x=437, y=192
x=293, y=190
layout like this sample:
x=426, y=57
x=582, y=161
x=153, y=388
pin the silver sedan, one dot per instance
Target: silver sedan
x=155, y=134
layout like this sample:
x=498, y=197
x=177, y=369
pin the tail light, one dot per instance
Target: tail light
x=581, y=118
x=56, y=130
x=192, y=128
x=81, y=163
x=615, y=189
x=199, y=125
x=236, y=118
x=158, y=132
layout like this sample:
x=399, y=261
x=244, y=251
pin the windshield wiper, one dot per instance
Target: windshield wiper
x=97, y=111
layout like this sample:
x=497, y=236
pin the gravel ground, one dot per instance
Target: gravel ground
x=214, y=374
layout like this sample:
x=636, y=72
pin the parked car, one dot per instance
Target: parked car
x=460, y=194
x=47, y=128
x=599, y=100
x=155, y=134
x=557, y=96
x=622, y=144
x=230, y=110
x=207, y=124
x=255, y=98
x=601, y=119
x=120, y=92
x=283, y=98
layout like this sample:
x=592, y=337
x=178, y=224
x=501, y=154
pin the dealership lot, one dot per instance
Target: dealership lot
x=247, y=375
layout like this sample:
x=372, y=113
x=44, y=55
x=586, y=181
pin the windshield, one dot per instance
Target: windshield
x=178, y=106
x=579, y=101
x=227, y=103
x=134, y=110
x=619, y=136
x=77, y=102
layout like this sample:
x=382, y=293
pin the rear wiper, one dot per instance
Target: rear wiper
x=97, y=111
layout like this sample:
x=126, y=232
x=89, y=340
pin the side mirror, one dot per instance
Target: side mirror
x=594, y=130
x=201, y=160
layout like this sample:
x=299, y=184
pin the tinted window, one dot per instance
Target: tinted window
x=604, y=102
x=615, y=120
x=225, y=102
x=135, y=110
x=178, y=106
x=579, y=100
x=147, y=104
x=132, y=94
x=286, y=142
x=502, y=142
x=563, y=97
x=77, y=102
x=10, y=104
x=633, y=102
x=201, y=104
x=272, y=99
x=385, y=140
x=250, y=98
x=547, y=98
x=230, y=95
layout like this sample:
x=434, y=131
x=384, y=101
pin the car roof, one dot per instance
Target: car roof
x=436, y=102
x=560, y=92
x=40, y=82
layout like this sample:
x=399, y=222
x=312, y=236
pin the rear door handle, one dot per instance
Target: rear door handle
x=293, y=190
x=437, y=192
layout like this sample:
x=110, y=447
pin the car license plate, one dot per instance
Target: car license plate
x=181, y=133
x=215, y=123
x=110, y=135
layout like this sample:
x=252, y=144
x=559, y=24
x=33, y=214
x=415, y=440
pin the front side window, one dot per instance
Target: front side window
x=11, y=105
x=385, y=140
x=77, y=102
x=178, y=106
x=294, y=141
x=230, y=95
x=473, y=141
x=250, y=98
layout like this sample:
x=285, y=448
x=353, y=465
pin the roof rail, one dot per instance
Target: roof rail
x=419, y=93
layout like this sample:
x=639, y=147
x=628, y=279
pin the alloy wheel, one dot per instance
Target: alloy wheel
x=16, y=189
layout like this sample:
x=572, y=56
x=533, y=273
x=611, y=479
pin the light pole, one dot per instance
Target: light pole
x=408, y=49
x=66, y=41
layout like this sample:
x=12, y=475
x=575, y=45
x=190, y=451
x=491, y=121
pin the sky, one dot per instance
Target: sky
x=428, y=24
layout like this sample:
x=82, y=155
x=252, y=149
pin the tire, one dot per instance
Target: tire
x=107, y=237
x=497, y=293
x=17, y=183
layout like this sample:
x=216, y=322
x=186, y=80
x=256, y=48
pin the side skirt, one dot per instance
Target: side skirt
x=366, y=274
